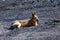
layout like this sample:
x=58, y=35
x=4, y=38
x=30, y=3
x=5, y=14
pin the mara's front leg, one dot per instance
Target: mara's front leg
x=36, y=24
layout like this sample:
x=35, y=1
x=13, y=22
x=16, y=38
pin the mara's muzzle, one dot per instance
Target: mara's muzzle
x=38, y=20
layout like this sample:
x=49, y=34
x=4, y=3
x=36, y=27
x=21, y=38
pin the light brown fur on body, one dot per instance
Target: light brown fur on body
x=24, y=23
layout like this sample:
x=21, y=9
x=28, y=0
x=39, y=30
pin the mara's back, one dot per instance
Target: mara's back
x=25, y=22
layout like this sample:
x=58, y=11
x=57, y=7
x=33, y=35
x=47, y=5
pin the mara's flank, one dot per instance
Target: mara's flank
x=33, y=21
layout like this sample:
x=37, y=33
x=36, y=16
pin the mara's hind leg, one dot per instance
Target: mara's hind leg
x=17, y=24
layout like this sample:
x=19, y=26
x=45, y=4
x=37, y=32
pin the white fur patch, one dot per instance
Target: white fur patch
x=17, y=23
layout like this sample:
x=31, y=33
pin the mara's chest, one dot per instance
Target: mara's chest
x=34, y=23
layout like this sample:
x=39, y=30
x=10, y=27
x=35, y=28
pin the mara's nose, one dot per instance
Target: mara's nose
x=38, y=20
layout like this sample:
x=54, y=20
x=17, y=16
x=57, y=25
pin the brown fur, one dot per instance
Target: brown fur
x=24, y=23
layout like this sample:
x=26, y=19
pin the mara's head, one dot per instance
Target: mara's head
x=34, y=16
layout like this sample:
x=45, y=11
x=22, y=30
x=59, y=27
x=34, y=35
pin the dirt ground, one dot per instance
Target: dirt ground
x=49, y=20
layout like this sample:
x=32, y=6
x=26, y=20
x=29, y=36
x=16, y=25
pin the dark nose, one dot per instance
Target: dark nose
x=37, y=20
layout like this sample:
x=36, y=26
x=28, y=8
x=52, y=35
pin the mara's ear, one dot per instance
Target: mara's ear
x=34, y=13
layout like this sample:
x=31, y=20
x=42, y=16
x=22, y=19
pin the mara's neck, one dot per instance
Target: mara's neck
x=33, y=20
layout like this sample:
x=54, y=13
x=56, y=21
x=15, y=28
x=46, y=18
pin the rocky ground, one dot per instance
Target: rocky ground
x=48, y=12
